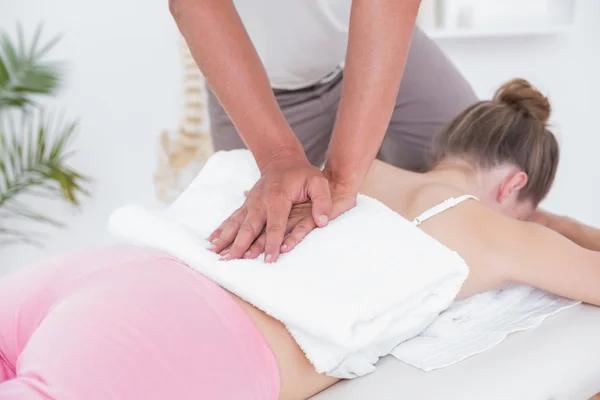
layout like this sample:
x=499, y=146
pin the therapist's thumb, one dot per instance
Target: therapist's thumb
x=318, y=191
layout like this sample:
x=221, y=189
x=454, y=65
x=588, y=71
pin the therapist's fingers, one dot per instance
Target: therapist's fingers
x=320, y=197
x=225, y=251
x=298, y=233
x=249, y=231
x=216, y=233
x=229, y=230
x=278, y=212
x=257, y=248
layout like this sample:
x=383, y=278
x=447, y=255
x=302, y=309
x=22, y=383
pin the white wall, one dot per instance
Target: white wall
x=124, y=83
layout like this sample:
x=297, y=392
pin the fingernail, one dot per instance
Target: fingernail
x=248, y=253
x=214, y=241
x=268, y=257
x=323, y=219
x=285, y=246
x=226, y=257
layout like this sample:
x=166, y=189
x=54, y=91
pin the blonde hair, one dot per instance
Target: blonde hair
x=510, y=128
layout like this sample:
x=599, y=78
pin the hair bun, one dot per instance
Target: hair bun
x=522, y=96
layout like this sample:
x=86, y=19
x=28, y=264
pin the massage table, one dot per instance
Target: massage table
x=557, y=360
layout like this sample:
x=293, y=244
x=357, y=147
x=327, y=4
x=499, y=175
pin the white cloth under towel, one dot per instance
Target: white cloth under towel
x=348, y=293
x=478, y=323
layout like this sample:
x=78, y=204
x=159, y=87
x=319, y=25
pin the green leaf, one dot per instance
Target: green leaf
x=11, y=236
x=4, y=76
x=41, y=144
x=33, y=161
x=20, y=210
x=23, y=70
x=34, y=149
x=48, y=46
x=58, y=148
x=9, y=54
x=5, y=178
x=34, y=42
x=20, y=41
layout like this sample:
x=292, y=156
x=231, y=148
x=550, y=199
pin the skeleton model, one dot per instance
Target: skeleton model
x=181, y=155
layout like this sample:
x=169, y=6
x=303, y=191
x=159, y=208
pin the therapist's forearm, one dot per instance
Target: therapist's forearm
x=379, y=39
x=224, y=53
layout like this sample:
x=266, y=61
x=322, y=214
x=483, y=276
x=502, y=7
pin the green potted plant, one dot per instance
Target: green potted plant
x=34, y=146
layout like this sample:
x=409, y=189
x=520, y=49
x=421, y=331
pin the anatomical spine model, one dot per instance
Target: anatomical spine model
x=181, y=155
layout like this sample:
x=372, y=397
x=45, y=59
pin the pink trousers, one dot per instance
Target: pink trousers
x=126, y=323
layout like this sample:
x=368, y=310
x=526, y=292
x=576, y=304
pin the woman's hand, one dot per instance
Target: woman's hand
x=286, y=179
x=301, y=221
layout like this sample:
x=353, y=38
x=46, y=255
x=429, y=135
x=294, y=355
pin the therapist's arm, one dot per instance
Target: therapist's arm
x=378, y=43
x=579, y=233
x=379, y=39
x=232, y=68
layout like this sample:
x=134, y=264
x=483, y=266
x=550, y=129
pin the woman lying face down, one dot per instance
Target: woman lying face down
x=501, y=152
x=129, y=323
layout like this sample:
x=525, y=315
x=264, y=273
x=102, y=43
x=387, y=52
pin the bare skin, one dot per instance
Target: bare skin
x=584, y=235
x=491, y=235
x=501, y=248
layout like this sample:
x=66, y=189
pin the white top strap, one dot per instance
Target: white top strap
x=443, y=206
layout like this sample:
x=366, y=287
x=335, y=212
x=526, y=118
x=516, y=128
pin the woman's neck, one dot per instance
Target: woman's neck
x=460, y=174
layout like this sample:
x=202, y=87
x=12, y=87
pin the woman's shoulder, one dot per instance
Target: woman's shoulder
x=485, y=238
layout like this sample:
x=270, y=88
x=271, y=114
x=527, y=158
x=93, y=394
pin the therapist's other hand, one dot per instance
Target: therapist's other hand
x=286, y=180
x=343, y=199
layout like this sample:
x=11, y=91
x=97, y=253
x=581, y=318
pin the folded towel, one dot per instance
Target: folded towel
x=348, y=293
x=478, y=323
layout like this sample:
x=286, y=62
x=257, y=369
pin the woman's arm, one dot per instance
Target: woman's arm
x=545, y=259
x=581, y=234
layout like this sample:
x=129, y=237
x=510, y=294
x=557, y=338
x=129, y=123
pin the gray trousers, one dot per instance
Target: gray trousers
x=432, y=92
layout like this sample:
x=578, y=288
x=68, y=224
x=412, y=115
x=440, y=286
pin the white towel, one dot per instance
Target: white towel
x=476, y=324
x=348, y=293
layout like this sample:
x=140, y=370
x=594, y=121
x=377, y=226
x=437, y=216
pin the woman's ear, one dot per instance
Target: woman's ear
x=511, y=186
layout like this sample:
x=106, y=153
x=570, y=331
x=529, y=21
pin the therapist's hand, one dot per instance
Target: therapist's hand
x=301, y=224
x=286, y=179
x=301, y=221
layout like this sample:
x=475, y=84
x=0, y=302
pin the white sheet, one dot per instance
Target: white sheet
x=477, y=324
x=558, y=360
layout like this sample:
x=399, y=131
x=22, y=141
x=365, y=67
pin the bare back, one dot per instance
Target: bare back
x=498, y=250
